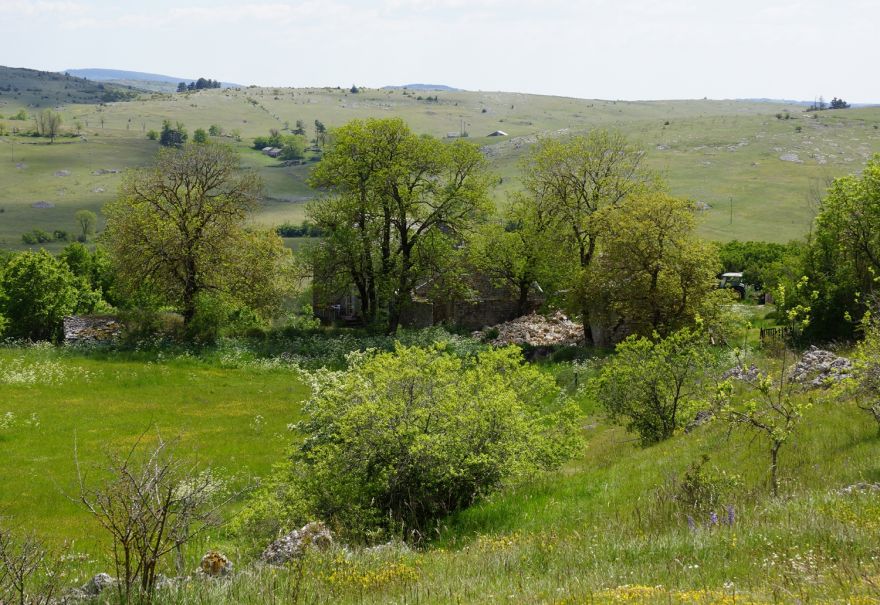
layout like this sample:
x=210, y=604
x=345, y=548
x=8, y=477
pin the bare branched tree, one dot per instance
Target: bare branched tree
x=152, y=504
x=26, y=569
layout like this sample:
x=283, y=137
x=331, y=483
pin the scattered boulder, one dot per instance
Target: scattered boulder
x=791, y=157
x=293, y=545
x=535, y=330
x=392, y=546
x=101, y=171
x=701, y=418
x=215, y=565
x=62, y=173
x=820, y=368
x=749, y=374
x=43, y=205
x=859, y=488
x=98, y=190
x=98, y=584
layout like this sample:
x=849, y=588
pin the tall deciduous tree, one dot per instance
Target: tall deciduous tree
x=48, y=123
x=397, y=203
x=86, y=219
x=513, y=253
x=652, y=272
x=178, y=228
x=843, y=262
x=570, y=181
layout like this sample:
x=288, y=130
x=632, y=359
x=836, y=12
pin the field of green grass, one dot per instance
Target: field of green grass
x=729, y=155
x=225, y=412
x=605, y=528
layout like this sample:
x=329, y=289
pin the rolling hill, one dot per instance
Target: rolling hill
x=138, y=79
x=756, y=168
x=33, y=88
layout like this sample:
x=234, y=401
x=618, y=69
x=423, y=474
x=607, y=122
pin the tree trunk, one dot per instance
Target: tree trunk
x=522, y=303
x=774, y=458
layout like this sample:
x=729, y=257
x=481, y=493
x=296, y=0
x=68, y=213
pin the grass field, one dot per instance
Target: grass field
x=227, y=414
x=603, y=529
x=727, y=154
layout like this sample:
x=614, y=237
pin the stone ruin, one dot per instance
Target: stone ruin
x=91, y=329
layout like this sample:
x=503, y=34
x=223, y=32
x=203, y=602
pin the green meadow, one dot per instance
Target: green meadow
x=605, y=528
x=223, y=412
x=757, y=176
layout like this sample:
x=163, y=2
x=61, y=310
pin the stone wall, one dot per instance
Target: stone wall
x=91, y=328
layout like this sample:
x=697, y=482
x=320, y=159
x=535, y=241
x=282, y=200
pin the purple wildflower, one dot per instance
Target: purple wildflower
x=731, y=515
x=691, y=523
x=713, y=518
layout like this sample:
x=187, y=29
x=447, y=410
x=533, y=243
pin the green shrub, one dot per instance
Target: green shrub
x=403, y=438
x=37, y=292
x=652, y=383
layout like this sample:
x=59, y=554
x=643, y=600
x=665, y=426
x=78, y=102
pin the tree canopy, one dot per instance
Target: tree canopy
x=396, y=204
x=178, y=230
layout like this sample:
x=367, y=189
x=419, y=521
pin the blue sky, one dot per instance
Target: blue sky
x=612, y=49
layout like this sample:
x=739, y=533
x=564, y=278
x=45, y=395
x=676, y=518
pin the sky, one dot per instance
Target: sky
x=607, y=49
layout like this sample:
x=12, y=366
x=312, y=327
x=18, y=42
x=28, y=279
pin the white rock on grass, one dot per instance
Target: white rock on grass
x=295, y=543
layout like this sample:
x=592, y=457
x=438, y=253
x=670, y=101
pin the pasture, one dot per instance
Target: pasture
x=227, y=411
x=605, y=528
x=756, y=176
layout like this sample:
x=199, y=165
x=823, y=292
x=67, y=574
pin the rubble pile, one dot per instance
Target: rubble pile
x=820, y=368
x=535, y=330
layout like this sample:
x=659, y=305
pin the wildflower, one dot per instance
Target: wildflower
x=691, y=523
x=731, y=515
x=713, y=518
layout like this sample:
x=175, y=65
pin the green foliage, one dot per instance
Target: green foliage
x=570, y=182
x=172, y=136
x=514, y=255
x=404, y=438
x=215, y=130
x=653, y=384
x=179, y=230
x=763, y=264
x=653, y=275
x=843, y=262
x=293, y=147
x=37, y=292
x=273, y=140
x=776, y=410
x=47, y=123
x=200, y=136
x=304, y=229
x=398, y=203
x=864, y=383
x=87, y=220
x=152, y=135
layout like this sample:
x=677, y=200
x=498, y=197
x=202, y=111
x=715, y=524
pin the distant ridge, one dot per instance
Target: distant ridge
x=48, y=88
x=435, y=87
x=121, y=75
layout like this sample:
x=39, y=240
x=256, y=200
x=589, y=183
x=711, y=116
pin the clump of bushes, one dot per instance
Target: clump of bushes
x=403, y=438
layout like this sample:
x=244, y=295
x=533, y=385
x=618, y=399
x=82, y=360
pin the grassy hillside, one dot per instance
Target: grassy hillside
x=32, y=88
x=606, y=528
x=726, y=154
